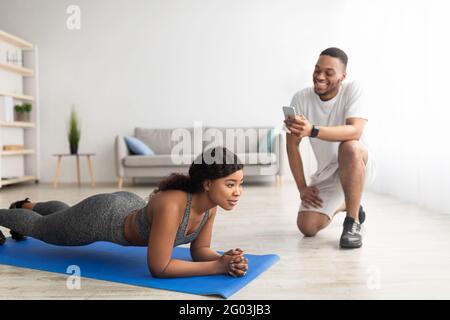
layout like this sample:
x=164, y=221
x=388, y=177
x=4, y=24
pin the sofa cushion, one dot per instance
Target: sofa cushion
x=138, y=147
x=160, y=140
x=265, y=140
x=158, y=161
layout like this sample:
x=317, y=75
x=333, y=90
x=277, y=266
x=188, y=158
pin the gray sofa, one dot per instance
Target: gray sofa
x=175, y=149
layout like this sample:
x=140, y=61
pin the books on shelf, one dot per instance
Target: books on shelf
x=13, y=147
x=8, y=109
x=19, y=147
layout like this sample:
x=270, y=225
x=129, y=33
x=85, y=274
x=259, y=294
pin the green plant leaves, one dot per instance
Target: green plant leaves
x=25, y=107
x=74, y=133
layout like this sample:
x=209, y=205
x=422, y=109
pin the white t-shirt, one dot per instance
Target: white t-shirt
x=346, y=104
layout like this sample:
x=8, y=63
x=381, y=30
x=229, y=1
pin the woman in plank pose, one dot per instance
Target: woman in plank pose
x=181, y=210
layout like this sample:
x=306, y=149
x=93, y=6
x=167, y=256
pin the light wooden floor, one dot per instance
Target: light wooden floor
x=406, y=251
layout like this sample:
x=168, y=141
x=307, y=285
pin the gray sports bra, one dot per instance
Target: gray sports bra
x=181, y=238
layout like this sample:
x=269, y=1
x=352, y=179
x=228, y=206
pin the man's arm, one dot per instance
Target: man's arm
x=295, y=160
x=352, y=130
x=309, y=195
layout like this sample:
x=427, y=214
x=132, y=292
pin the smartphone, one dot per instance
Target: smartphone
x=289, y=111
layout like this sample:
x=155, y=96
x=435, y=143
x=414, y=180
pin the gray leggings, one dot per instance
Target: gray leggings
x=97, y=218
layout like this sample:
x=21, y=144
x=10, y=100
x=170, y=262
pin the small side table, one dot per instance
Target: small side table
x=78, y=155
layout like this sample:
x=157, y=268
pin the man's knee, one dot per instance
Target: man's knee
x=350, y=150
x=308, y=226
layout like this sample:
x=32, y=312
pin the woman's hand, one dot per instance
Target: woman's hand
x=238, y=266
x=233, y=252
x=235, y=263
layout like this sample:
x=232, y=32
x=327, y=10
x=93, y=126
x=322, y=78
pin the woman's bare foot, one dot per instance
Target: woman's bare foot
x=22, y=204
x=2, y=238
x=29, y=205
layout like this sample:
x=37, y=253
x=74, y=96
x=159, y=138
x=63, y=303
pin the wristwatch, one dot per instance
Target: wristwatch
x=314, y=132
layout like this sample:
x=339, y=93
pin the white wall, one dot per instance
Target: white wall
x=400, y=49
x=168, y=63
x=165, y=64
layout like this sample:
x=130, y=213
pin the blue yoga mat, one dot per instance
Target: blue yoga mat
x=112, y=262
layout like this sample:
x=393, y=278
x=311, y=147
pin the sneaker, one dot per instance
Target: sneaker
x=361, y=215
x=18, y=205
x=351, y=235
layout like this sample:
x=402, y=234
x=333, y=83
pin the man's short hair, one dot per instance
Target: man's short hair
x=336, y=53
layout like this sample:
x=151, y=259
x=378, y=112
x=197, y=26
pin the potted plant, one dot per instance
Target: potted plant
x=22, y=112
x=74, y=132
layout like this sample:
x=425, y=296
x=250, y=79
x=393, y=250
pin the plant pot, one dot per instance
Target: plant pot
x=22, y=116
x=73, y=149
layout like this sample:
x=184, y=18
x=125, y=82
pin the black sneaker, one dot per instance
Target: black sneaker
x=18, y=205
x=351, y=236
x=361, y=215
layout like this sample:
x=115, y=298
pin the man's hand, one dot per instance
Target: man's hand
x=310, y=197
x=299, y=126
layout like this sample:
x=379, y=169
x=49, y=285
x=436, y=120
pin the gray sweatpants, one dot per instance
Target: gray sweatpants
x=97, y=218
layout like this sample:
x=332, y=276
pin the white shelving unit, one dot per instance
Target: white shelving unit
x=19, y=82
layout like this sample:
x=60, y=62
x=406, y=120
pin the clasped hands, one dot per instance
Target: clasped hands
x=235, y=263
